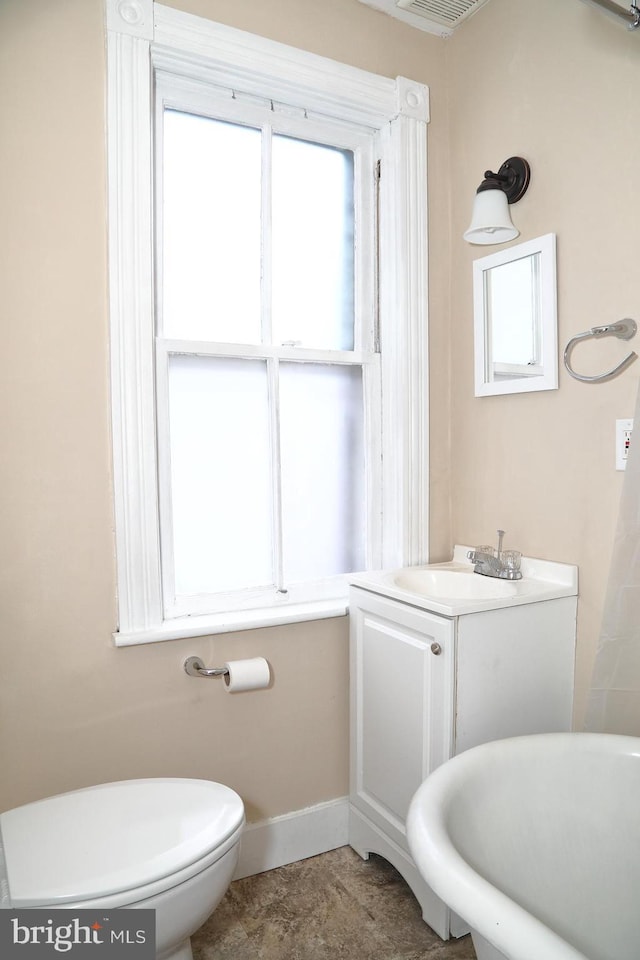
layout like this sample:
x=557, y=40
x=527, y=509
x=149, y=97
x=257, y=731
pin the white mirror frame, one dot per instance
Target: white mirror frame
x=544, y=295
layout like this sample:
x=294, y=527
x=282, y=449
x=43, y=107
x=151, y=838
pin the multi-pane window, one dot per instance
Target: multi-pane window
x=267, y=272
x=266, y=369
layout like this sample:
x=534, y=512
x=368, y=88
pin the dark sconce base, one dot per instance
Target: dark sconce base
x=512, y=178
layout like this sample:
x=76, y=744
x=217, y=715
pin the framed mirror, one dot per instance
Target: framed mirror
x=515, y=319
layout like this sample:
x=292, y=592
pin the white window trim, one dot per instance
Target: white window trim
x=143, y=36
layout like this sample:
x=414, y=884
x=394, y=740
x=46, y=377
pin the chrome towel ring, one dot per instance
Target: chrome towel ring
x=624, y=330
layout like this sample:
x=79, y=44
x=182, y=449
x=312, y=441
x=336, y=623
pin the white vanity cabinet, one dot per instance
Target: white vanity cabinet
x=426, y=686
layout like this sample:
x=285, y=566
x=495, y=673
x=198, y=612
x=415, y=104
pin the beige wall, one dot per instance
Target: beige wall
x=554, y=82
x=73, y=709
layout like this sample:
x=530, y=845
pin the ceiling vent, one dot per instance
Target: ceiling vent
x=434, y=16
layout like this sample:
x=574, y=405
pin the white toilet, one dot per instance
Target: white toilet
x=168, y=845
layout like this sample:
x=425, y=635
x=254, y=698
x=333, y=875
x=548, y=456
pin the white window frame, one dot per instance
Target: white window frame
x=176, y=94
x=145, y=37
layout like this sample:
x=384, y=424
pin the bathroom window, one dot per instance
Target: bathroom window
x=268, y=308
x=265, y=352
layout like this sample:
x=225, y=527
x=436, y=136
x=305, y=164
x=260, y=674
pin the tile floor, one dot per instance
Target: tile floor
x=332, y=907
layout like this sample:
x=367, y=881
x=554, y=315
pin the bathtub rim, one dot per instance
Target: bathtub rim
x=498, y=918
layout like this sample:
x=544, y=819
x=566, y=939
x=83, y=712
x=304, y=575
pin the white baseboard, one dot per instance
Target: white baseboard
x=293, y=836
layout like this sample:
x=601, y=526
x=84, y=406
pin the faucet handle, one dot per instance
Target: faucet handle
x=511, y=560
x=480, y=554
x=487, y=550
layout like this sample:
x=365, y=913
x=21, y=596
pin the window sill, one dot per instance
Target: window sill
x=204, y=626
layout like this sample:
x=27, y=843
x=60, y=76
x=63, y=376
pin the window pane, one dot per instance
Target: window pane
x=312, y=294
x=220, y=468
x=322, y=470
x=211, y=229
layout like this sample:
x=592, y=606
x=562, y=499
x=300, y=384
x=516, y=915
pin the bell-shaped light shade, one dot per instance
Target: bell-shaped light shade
x=491, y=221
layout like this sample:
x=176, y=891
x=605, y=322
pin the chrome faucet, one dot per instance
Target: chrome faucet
x=504, y=565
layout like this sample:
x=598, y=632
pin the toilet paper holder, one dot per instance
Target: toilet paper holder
x=194, y=667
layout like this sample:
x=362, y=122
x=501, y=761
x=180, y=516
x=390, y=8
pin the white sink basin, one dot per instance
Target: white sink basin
x=453, y=589
x=454, y=584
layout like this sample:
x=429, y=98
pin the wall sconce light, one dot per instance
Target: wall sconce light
x=491, y=220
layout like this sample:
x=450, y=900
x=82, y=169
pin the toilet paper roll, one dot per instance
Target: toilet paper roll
x=253, y=674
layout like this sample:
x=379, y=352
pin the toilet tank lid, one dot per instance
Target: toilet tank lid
x=113, y=837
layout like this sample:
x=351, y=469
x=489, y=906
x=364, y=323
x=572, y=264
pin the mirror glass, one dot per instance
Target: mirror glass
x=515, y=324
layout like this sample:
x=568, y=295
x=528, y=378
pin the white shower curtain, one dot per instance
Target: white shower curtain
x=614, y=698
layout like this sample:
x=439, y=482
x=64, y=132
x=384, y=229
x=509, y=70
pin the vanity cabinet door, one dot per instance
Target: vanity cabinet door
x=402, y=693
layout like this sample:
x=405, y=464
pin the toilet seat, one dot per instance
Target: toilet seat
x=117, y=843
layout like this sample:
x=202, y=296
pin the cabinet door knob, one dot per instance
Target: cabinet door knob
x=436, y=649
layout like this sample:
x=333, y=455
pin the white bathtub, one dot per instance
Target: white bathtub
x=535, y=842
